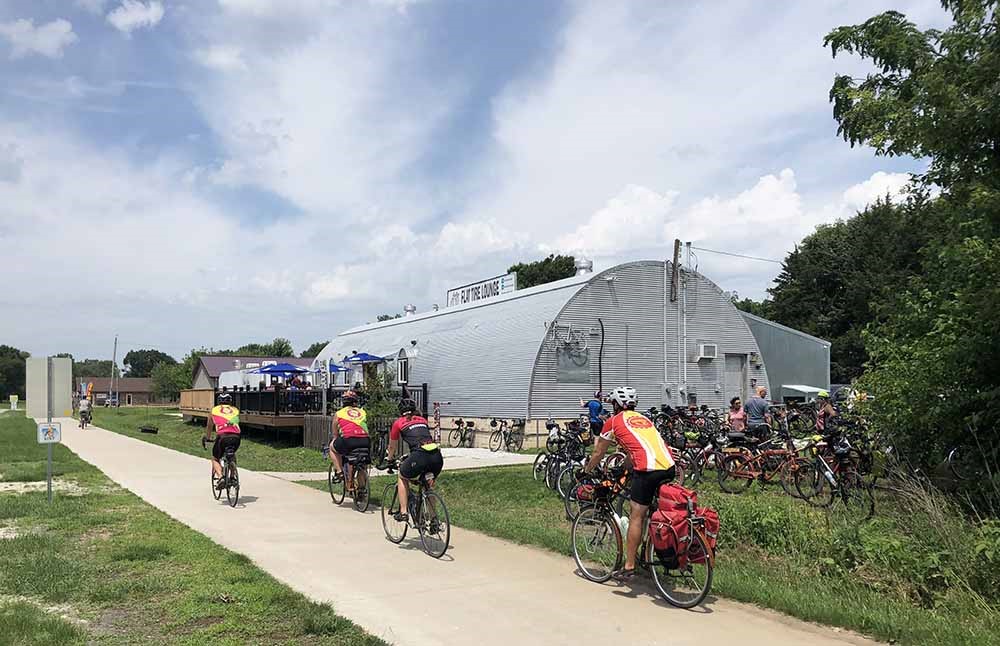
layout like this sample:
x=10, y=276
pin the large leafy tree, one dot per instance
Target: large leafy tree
x=935, y=95
x=92, y=368
x=314, y=349
x=140, y=363
x=554, y=267
x=12, y=371
x=277, y=348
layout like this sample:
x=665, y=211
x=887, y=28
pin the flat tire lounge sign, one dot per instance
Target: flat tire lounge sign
x=482, y=290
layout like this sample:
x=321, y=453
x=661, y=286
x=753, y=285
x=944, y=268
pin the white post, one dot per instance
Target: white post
x=48, y=416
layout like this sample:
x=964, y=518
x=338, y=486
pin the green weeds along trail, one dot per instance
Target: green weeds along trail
x=100, y=566
x=918, y=573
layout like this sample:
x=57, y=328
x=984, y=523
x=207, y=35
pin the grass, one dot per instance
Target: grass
x=106, y=568
x=775, y=552
x=259, y=451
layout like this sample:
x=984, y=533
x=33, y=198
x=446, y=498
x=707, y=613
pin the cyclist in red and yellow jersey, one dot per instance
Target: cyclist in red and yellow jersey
x=224, y=419
x=350, y=432
x=651, y=459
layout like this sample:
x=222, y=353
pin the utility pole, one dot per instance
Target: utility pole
x=114, y=369
x=675, y=272
x=48, y=419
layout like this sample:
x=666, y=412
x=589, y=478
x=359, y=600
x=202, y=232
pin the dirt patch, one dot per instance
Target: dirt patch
x=62, y=486
x=8, y=531
x=95, y=535
x=61, y=610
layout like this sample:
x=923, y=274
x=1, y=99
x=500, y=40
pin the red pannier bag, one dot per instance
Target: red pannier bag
x=673, y=496
x=711, y=531
x=585, y=492
x=668, y=530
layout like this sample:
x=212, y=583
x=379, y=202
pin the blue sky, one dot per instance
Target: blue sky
x=214, y=172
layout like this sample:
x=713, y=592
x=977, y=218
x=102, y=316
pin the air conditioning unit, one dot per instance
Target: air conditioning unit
x=708, y=351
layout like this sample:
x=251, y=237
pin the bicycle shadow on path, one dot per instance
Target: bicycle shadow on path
x=639, y=587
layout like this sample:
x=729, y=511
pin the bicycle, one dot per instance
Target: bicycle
x=834, y=476
x=380, y=447
x=84, y=418
x=684, y=579
x=463, y=433
x=426, y=513
x=744, y=463
x=230, y=474
x=507, y=436
x=358, y=464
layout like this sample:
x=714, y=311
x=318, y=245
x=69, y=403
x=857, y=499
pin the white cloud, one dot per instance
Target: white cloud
x=92, y=6
x=47, y=40
x=879, y=185
x=221, y=57
x=136, y=14
x=634, y=218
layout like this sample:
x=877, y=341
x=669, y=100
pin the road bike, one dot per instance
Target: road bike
x=380, y=447
x=357, y=465
x=464, y=434
x=833, y=476
x=230, y=475
x=507, y=435
x=426, y=513
x=599, y=549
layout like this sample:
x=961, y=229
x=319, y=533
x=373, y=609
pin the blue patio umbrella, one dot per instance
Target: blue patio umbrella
x=281, y=369
x=335, y=368
x=363, y=357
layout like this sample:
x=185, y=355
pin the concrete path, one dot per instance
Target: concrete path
x=454, y=458
x=485, y=591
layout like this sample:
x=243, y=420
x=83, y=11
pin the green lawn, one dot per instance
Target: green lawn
x=106, y=568
x=259, y=451
x=774, y=551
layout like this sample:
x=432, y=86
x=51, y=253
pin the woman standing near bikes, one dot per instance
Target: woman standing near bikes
x=824, y=411
x=736, y=417
x=425, y=454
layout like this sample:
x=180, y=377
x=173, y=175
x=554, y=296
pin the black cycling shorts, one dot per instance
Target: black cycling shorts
x=419, y=462
x=224, y=441
x=645, y=484
x=344, y=445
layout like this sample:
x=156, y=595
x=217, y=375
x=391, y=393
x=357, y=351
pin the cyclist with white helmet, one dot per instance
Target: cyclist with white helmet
x=650, y=457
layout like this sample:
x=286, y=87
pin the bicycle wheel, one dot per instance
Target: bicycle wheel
x=555, y=466
x=361, y=489
x=688, y=586
x=567, y=479
x=395, y=530
x=434, y=525
x=455, y=438
x=515, y=441
x=216, y=491
x=597, y=544
x=379, y=448
x=812, y=485
x=336, y=484
x=789, y=472
x=687, y=471
x=232, y=484
x=496, y=439
x=573, y=505
x=734, y=474
x=538, y=468
x=856, y=499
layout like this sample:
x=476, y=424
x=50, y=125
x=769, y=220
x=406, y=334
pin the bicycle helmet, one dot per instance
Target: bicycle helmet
x=823, y=394
x=407, y=406
x=625, y=396
x=350, y=398
x=224, y=398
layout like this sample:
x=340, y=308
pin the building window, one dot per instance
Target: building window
x=403, y=371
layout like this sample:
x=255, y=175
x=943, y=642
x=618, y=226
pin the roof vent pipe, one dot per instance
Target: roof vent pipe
x=409, y=310
x=435, y=307
x=583, y=266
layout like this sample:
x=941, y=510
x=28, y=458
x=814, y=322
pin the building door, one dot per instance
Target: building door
x=128, y=399
x=736, y=376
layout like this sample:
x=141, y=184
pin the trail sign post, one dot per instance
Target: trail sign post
x=51, y=433
x=13, y=402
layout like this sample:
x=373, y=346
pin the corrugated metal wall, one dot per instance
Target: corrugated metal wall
x=792, y=357
x=631, y=306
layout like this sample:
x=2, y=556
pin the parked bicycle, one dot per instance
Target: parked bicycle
x=464, y=434
x=357, y=465
x=426, y=513
x=599, y=549
x=507, y=435
x=833, y=476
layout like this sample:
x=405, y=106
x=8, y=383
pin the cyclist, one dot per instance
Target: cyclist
x=350, y=432
x=595, y=411
x=824, y=411
x=651, y=461
x=84, y=410
x=224, y=419
x=425, y=455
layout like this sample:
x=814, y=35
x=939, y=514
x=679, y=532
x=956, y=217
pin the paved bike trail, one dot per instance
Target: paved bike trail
x=485, y=591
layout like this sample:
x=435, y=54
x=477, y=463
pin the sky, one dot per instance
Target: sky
x=208, y=173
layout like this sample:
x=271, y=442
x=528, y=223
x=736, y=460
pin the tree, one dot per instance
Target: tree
x=388, y=317
x=93, y=368
x=169, y=379
x=314, y=349
x=140, y=363
x=554, y=267
x=276, y=348
x=12, y=371
x=757, y=308
x=933, y=348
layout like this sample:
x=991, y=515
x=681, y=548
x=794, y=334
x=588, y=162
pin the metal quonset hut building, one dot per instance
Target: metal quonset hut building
x=535, y=352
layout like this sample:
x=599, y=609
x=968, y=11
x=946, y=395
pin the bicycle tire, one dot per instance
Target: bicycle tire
x=567, y=480
x=856, y=497
x=552, y=473
x=434, y=523
x=538, y=466
x=455, y=438
x=232, y=484
x=665, y=579
x=362, y=490
x=496, y=440
x=516, y=441
x=337, y=487
x=733, y=474
x=789, y=474
x=395, y=531
x=812, y=485
x=594, y=530
x=216, y=491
